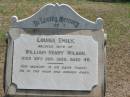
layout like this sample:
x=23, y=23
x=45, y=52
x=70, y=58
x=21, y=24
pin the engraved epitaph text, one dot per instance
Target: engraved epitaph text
x=55, y=62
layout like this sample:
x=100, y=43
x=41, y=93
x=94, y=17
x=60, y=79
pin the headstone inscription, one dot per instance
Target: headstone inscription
x=52, y=53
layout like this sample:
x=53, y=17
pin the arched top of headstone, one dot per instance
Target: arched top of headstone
x=57, y=16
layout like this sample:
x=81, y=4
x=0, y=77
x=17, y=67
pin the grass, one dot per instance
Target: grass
x=2, y=35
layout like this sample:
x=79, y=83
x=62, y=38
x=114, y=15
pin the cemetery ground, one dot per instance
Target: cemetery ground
x=116, y=24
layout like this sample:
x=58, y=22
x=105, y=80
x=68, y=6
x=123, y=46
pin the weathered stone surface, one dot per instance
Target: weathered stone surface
x=55, y=62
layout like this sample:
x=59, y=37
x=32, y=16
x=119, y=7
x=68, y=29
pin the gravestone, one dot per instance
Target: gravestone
x=55, y=52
